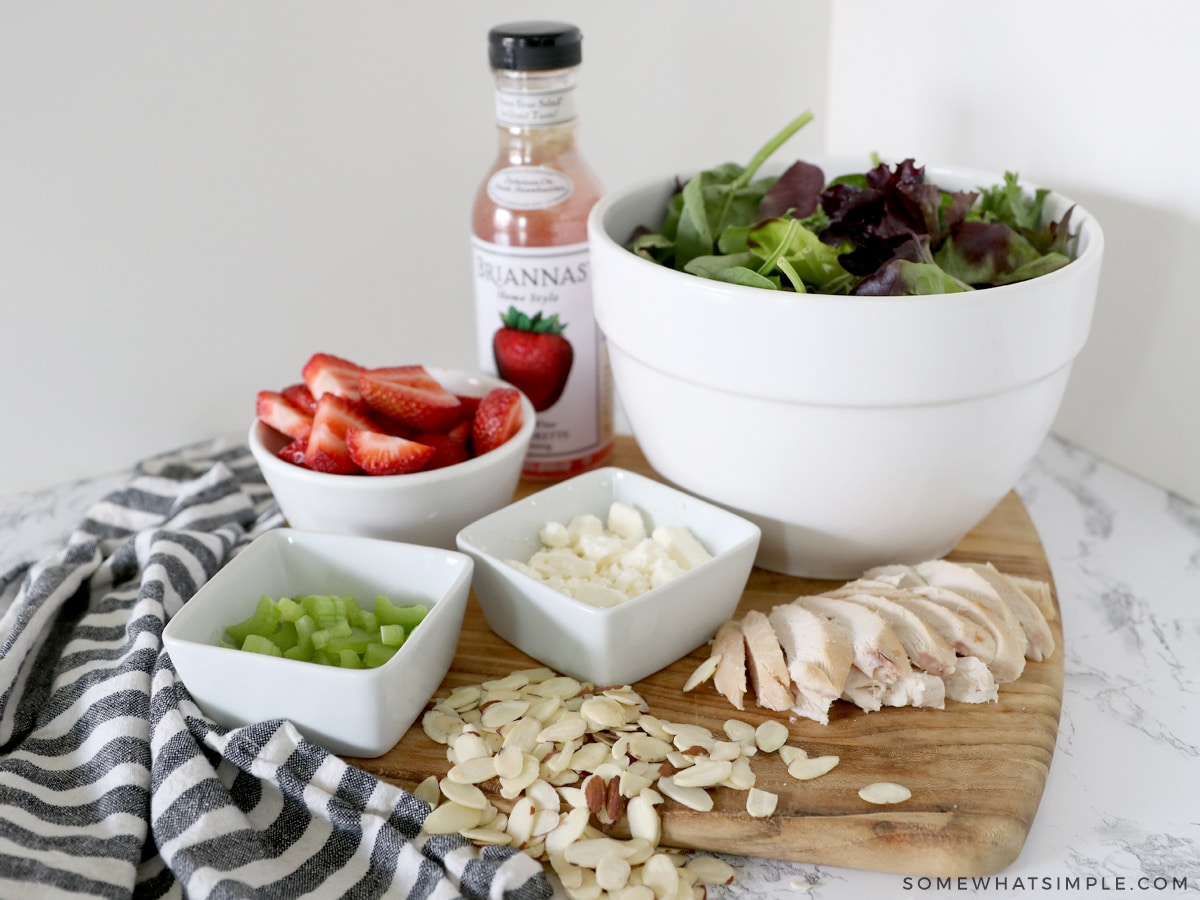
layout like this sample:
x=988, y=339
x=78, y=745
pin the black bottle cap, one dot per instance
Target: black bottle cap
x=534, y=46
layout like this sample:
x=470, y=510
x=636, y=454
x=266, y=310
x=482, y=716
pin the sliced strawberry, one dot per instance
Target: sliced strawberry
x=497, y=419
x=462, y=431
x=412, y=395
x=293, y=452
x=469, y=405
x=385, y=454
x=327, y=450
x=282, y=414
x=448, y=449
x=388, y=425
x=325, y=373
x=301, y=396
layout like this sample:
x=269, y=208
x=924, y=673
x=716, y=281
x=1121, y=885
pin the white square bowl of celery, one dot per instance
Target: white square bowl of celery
x=348, y=710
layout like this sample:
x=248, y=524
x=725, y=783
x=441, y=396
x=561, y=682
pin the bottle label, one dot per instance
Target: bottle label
x=529, y=187
x=525, y=109
x=562, y=364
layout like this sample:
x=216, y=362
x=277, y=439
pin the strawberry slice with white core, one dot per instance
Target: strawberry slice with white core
x=386, y=454
x=497, y=419
x=327, y=450
x=412, y=395
x=325, y=373
x=280, y=413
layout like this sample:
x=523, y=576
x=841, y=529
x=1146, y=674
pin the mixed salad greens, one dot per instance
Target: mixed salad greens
x=884, y=232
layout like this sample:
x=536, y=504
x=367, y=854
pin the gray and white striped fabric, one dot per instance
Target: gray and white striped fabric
x=114, y=784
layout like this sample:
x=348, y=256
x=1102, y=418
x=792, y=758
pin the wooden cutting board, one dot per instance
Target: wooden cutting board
x=976, y=772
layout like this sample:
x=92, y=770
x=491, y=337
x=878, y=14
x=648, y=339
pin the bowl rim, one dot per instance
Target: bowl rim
x=518, y=443
x=753, y=534
x=462, y=565
x=1081, y=219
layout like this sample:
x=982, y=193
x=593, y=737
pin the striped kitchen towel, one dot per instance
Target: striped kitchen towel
x=114, y=784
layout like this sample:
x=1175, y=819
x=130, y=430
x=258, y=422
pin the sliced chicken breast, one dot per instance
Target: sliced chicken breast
x=1033, y=623
x=1009, y=660
x=971, y=682
x=925, y=647
x=878, y=650
x=818, y=659
x=970, y=584
x=730, y=677
x=765, y=663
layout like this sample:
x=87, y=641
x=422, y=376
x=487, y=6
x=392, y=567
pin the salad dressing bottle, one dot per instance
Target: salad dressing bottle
x=534, y=320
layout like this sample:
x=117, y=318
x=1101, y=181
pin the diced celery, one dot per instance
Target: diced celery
x=262, y=623
x=285, y=636
x=302, y=652
x=289, y=609
x=317, y=605
x=389, y=614
x=357, y=641
x=327, y=629
x=256, y=643
x=392, y=635
x=305, y=626
x=378, y=654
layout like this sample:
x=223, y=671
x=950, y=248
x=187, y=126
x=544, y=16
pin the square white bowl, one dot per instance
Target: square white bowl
x=355, y=712
x=619, y=644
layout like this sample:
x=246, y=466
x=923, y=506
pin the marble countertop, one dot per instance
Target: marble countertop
x=1121, y=809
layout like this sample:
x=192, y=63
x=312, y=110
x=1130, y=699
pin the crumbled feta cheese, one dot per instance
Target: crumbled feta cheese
x=604, y=563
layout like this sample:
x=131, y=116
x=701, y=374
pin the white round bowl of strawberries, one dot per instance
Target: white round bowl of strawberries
x=406, y=452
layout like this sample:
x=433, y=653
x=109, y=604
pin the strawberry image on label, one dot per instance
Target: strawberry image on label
x=532, y=354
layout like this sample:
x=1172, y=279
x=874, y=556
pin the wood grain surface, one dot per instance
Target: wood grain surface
x=976, y=771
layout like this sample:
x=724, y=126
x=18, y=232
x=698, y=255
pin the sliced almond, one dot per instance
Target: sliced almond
x=647, y=747
x=428, y=791
x=588, y=852
x=741, y=776
x=451, y=818
x=509, y=762
x=710, y=870
x=809, y=767
x=705, y=773
x=465, y=696
x=737, y=730
x=520, y=821
x=643, y=819
x=464, y=794
x=661, y=875
x=702, y=673
x=692, y=797
x=570, y=828
x=885, y=792
x=770, y=735
x=498, y=714
x=789, y=753
x=759, y=804
x=612, y=873
x=473, y=771
x=602, y=712
x=566, y=728
x=470, y=745
x=561, y=686
x=494, y=836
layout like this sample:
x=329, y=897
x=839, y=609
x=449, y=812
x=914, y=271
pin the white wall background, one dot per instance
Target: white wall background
x=1098, y=101
x=193, y=198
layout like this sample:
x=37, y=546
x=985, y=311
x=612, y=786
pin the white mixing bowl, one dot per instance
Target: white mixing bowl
x=854, y=431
